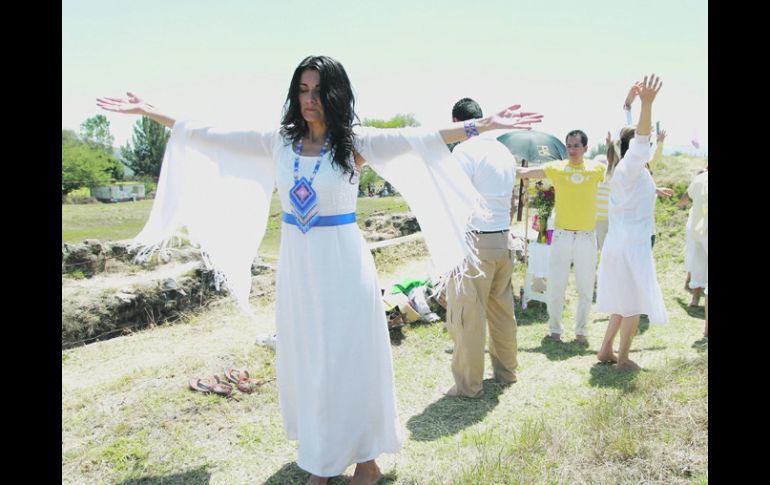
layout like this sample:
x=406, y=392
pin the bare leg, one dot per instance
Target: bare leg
x=367, y=473
x=687, y=282
x=605, y=353
x=628, y=326
x=696, y=296
x=706, y=329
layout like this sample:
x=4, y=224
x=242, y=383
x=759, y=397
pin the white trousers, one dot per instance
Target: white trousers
x=578, y=248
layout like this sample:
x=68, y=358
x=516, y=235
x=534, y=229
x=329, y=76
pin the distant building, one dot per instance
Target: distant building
x=118, y=192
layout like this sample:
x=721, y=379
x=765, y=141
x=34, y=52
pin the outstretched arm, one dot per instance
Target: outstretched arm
x=389, y=143
x=136, y=106
x=507, y=119
x=530, y=173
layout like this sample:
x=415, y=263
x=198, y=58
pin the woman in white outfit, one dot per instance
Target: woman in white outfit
x=627, y=283
x=333, y=360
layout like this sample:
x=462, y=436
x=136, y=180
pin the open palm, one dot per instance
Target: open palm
x=131, y=105
x=510, y=118
x=648, y=88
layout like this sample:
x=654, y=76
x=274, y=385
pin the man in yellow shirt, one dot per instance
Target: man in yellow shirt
x=574, y=239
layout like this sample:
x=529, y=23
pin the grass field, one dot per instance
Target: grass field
x=127, y=416
x=124, y=220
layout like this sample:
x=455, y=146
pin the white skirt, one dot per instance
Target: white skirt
x=627, y=282
x=696, y=259
x=334, y=366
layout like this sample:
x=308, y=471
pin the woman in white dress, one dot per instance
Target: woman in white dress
x=627, y=283
x=333, y=359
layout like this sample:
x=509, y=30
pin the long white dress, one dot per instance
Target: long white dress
x=627, y=282
x=334, y=367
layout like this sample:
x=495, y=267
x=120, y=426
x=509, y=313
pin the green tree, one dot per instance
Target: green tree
x=149, y=144
x=599, y=150
x=96, y=131
x=69, y=136
x=83, y=164
x=401, y=120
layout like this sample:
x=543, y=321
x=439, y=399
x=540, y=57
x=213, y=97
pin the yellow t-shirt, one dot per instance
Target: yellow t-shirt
x=576, y=189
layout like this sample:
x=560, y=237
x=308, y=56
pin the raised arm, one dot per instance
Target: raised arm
x=135, y=106
x=638, y=153
x=658, y=156
x=647, y=90
x=507, y=119
x=627, y=104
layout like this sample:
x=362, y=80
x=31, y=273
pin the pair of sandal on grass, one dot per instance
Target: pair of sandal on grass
x=238, y=377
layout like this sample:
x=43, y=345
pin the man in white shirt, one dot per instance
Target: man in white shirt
x=489, y=298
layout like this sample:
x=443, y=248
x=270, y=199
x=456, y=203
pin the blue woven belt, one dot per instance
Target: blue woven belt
x=336, y=220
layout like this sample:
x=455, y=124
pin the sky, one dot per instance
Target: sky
x=230, y=62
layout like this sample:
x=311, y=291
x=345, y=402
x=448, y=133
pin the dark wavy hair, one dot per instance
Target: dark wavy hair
x=338, y=104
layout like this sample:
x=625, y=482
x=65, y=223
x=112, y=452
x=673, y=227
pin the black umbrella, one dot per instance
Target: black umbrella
x=533, y=146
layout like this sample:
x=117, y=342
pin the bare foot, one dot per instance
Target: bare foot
x=628, y=365
x=367, y=473
x=316, y=480
x=491, y=375
x=604, y=358
x=453, y=392
x=449, y=391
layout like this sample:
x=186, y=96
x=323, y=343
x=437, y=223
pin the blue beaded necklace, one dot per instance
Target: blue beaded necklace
x=303, y=198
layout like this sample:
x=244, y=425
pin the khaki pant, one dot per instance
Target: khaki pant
x=482, y=300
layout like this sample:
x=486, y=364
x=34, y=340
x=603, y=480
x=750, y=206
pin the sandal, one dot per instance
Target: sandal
x=211, y=384
x=241, y=379
x=396, y=319
x=249, y=384
x=233, y=374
